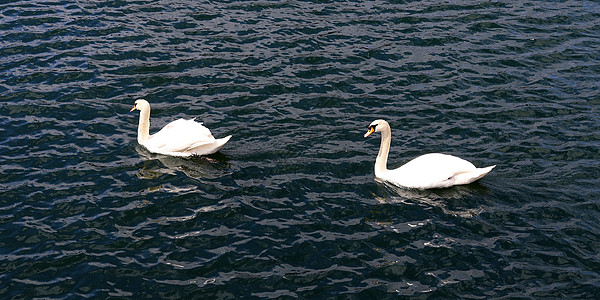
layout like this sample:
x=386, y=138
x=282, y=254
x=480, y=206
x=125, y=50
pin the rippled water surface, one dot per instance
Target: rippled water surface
x=289, y=207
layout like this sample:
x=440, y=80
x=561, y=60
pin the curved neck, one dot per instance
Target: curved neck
x=144, y=125
x=384, y=149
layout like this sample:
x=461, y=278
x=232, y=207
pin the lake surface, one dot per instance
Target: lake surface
x=289, y=208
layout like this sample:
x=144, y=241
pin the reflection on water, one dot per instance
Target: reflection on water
x=453, y=201
x=207, y=167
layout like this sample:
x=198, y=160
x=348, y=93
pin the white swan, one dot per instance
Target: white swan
x=178, y=138
x=433, y=170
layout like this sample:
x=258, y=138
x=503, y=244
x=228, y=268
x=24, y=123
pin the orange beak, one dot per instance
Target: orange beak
x=134, y=108
x=371, y=130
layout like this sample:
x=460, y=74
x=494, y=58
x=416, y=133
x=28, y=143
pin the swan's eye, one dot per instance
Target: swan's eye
x=372, y=127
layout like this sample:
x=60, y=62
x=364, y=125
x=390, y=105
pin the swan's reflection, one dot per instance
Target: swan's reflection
x=207, y=167
x=457, y=200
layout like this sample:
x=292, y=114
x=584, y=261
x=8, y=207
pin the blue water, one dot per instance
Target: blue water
x=289, y=207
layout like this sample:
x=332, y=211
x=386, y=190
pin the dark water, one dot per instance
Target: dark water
x=289, y=207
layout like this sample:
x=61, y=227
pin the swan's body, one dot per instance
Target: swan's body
x=178, y=138
x=433, y=170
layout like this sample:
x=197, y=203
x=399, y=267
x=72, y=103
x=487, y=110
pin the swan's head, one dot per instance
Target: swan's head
x=140, y=104
x=377, y=126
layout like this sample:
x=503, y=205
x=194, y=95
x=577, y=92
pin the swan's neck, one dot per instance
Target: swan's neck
x=144, y=125
x=384, y=149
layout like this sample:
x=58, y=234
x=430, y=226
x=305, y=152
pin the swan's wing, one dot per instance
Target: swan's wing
x=179, y=136
x=430, y=170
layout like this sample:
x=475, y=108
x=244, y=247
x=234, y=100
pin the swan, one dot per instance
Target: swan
x=178, y=138
x=428, y=171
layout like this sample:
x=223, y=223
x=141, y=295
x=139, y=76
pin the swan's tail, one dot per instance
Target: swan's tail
x=218, y=144
x=483, y=171
x=221, y=142
x=207, y=149
x=480, y=172
x=469, y=177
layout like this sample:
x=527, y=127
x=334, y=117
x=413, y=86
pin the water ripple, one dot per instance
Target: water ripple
x=289, y=207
